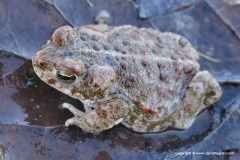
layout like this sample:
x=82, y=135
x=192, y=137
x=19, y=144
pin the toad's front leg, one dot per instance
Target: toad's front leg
x=104, y=116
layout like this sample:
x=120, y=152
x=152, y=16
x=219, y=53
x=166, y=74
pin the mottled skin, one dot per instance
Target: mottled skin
x=141, y=78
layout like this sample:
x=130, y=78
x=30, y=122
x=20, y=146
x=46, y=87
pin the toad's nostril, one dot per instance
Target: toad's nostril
x=43, y=65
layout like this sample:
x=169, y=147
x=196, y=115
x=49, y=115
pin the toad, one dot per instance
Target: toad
x=139, y=77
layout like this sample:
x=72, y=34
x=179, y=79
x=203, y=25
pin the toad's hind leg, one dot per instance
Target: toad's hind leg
x=104, y=116
x=202, y=91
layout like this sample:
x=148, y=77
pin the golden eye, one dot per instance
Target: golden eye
x=66, y=77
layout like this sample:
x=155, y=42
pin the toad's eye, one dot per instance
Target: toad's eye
x=66, y=77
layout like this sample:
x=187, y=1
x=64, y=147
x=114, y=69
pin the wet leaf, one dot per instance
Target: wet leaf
x=26, y=25
x=151, y=8
x=228, y=11
x=225, y=138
